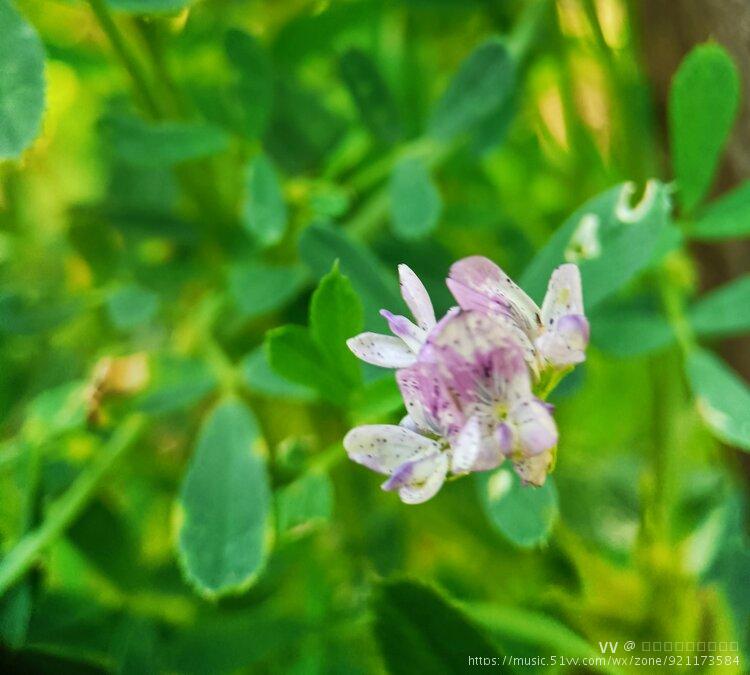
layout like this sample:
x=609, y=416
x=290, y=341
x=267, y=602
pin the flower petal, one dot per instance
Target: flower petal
x=381, y=350
x=385, y=447
x=467, y=446
x=478, y=283
x=416, y=297
x=566, y=344
x=412, y=335
x=535, y=427
x=482, y=360
x=534, y=470
x=564, y=295
x=428, y=401
x=419, y=480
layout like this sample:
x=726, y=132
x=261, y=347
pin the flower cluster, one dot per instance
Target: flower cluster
x=471, y=382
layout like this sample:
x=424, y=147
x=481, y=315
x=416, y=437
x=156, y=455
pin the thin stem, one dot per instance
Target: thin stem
x=67, y=508
x=126, y=56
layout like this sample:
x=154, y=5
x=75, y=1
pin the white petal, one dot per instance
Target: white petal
x=564, y=295
x=565, y=344
x=423, y=479
x=385, y=447
x=467, y=446
x=381, y=350
x=478, y=276
x=416, y=297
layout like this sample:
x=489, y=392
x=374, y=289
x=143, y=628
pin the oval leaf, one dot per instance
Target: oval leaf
x=523, y=514
x=483, y=84
x=703, y=103
x=21, y=82
x=724, y=310
x=725, y=218
x=415, y=200
x=264, y=214
x=259, y=288
x=226, y=535
x=722, y=398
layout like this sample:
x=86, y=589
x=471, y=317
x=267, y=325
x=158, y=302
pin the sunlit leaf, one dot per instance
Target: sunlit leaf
x=142, y=143
x=525, y=515
x=703, y=103
x=415, y=199
x=335, y=316
x=132, y=306
x=722, y=311
x=371, y=95
x=721, y=396
x=21, y=83
x=264, y=214
x=484, y=82
x=226, y=534
x=727, y=217
x=258, y=288
x=419, y=631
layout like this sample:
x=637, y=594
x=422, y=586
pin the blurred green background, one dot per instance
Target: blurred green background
x=176, y=179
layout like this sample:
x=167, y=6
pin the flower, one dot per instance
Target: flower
x=485, y=385
x=399, y=351
x=559, y=331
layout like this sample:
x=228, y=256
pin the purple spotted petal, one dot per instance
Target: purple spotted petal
x=429, y=403
x=479, y=284
x=385, y=351
x=564, y=295
x=385, y=447
x=467, y=446
x=416, y=297
x=412, y=335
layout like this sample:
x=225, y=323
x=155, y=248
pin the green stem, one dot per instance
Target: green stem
x=127, y=57
x=67, y=508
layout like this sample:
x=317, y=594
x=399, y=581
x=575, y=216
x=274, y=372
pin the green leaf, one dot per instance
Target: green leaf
x=524, y=515
x=20, y=315
x=727, y=217
x=721, y=396
x=132, y=306
x=254, y=85
x=150, y=6
x=418, y=630
x=723, y=311
x=294, y=355
x=377, y=399
x=371, y=95
x=610, y=241
x=260, y=378
x=335, y=316
x=258, y=288
x=264, y=214
x=484, y=83
x=226, y=534
x=15, y=613
x=150, y=144
x=304, y=504
x=56, y=411
x=21, y=84
x=415, y=199
x=321, y=245
x=703, y=102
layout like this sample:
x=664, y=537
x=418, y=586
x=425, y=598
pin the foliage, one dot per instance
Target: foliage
x=200, y=202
